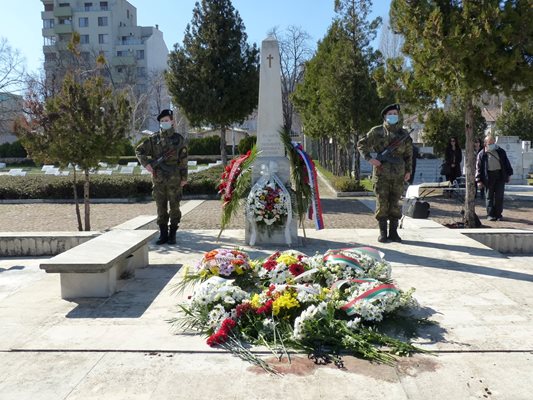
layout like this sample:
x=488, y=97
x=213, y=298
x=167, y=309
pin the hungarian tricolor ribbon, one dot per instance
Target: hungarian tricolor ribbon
x=378, y=291
x=315, y=210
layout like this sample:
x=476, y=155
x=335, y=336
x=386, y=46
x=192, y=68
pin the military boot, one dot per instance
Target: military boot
x=393, y=231
x=382, y=230
x=163, y=236
x=172, y=234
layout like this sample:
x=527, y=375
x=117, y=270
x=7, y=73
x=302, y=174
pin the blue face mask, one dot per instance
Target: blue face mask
x=491, y=146
x=392, y=119
x=165, y=125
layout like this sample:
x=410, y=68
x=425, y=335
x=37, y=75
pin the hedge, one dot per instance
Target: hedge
x=12, y=150
x=102, y=186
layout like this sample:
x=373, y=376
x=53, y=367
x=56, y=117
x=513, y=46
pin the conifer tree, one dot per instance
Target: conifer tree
x=214, y=75
x=464, y=49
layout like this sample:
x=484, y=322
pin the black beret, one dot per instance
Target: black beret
x=165, y=113
x=394, y=106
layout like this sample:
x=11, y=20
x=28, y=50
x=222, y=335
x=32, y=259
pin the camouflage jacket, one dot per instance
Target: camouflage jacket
x=377, y=140
x=166, y=152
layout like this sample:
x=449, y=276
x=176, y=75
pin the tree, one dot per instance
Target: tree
x=214, y=75
x=516, y=119
x=440, y=125
x=83, y=124
x=11, y=80
x=338, y=98
x=294, y=52
x=463, y=49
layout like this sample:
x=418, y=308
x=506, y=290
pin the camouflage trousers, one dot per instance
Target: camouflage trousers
x=167, y=193
x=388, y=190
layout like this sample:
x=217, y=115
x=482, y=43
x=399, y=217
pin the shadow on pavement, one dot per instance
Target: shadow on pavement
x=133, y=298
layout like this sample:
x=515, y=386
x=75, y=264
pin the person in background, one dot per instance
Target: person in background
x=493, y=171
x=478, y=146
x=453, y=157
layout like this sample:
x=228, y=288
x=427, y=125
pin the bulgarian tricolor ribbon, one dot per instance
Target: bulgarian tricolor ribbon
x=315, y=210
x=342, y=282
x=376, y=292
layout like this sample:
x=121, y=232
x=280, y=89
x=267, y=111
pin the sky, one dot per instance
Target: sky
x=21, y=24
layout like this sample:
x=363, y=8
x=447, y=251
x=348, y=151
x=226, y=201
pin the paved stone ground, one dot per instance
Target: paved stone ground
x=338, y=213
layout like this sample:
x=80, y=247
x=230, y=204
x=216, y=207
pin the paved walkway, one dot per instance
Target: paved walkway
x=123, y=348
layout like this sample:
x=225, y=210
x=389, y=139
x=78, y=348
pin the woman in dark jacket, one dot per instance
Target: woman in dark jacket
x=452, y=158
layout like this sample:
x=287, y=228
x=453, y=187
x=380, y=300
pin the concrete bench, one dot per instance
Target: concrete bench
x=93, y=268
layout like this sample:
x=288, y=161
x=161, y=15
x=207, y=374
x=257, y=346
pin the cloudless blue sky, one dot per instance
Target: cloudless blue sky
x=20, y=21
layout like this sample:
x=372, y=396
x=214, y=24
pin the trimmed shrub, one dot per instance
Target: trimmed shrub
x=246, y=144
x=347, y=184
x=204, y=146
x=12, y=150
x=102, y=186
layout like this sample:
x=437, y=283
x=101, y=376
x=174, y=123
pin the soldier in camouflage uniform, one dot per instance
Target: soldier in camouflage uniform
x=389, y=174
x=164, y=154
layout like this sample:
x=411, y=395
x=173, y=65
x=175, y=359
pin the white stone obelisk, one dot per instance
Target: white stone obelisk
x=271, y=151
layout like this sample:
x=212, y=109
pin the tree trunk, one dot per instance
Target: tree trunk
x=86, y=201
x=76, y=201
x=223, y=152
x=357, y=159
x=470, y=166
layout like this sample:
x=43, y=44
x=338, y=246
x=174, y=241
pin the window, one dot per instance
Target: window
x=50, y=57
x=65, y=21
x=141, y=71
x=128, y=14
x=84, y=39
x=120, y=69
x=103, y=5
x=64, y=37
x=83, y=22
x=48, y=23
x=103, y=38
x=64, y=4
x=50, y=40
x=102, y=21
x=139, y=54
x=88, y=6
x=48, y=7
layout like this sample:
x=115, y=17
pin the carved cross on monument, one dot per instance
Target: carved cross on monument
x=270, y=58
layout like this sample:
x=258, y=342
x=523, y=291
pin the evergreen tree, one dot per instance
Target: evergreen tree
x=464, y=49
x=440, y=125
x=338, y=98
x=516, y=119
x=214, y=75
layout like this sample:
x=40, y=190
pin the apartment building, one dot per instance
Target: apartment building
x=134, y=54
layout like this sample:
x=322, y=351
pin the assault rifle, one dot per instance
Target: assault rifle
x=160, y=162
x=386, y=155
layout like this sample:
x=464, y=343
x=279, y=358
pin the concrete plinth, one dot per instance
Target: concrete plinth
x=101, y=284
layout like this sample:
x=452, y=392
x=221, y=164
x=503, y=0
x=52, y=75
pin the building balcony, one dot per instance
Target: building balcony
x=47, y=14
x=91, y=9
x=49, y=32
x=129, y=42
x=62, y=12
x=61, y=29
x=123, y=60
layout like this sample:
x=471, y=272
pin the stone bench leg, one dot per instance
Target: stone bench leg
x=101, y=284
x=139, y=259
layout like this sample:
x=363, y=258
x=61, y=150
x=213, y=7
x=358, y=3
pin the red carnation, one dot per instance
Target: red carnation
x=266, y=309
x=270, y=265
x=296, y=269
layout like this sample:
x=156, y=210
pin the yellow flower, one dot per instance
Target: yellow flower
x=255, y=301
x=203, y=273
x=277, y=200
x=323, y=293
x=287, y=301
x=239, y=270
x=287, y=259
x=214, y=270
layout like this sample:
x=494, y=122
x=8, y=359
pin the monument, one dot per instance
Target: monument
x=271, y=161
x=513, y=147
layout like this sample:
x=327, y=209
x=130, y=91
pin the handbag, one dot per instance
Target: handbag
x=445, y=169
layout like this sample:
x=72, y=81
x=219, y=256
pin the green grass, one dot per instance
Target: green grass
x=344, y=183
x=37, y=170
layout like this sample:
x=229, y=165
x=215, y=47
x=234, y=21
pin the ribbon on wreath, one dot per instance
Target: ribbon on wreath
x=315, y=209
x=270, y=179
x=233, y=175
x=378, y=291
